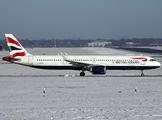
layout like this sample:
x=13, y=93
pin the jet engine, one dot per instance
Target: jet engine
x=98, y=70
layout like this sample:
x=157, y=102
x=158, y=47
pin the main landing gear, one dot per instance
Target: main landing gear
x=82, y=73
x=142, y=74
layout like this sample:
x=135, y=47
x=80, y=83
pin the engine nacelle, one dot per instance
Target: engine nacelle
x=98, y=69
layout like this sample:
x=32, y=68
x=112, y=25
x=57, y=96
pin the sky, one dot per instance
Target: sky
x=85, y=19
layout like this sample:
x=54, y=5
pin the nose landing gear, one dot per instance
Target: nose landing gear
x=142, y=74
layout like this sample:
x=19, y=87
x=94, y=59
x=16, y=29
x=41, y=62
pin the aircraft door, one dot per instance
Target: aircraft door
x=30, y=60
x=94, y=60
x=142, y=62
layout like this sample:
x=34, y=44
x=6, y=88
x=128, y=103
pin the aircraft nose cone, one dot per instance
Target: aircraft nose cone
x=158, y=64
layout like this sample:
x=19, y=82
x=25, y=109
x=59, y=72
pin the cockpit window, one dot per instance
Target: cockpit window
x=152, y=60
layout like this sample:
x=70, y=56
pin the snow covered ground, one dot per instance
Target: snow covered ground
x=71, y=98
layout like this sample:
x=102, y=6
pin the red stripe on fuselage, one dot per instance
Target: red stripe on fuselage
x=141, y=58
x=10, y=40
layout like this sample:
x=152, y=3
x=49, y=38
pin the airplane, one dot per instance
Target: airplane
x=96, y=64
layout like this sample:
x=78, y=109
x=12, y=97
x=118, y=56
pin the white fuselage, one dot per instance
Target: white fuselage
x=110, y=62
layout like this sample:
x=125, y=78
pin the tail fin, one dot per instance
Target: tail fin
x=15, y=48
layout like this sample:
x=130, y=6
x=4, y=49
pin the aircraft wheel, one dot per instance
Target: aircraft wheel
x=142, y=74
x=82, y=74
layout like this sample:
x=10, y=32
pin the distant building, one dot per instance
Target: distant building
x=155, y=44
x=131, y=44
x=98, y=44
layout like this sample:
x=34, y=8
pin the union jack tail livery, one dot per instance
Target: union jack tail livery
x=15, y=48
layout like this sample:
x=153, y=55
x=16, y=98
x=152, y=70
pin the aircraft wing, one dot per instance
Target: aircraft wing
x=94, y=68
x=78, y=64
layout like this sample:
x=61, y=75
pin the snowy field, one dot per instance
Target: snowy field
x=91, y=97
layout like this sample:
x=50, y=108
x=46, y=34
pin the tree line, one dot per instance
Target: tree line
x=136, y=42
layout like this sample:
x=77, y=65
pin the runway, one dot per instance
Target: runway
x=70, y=75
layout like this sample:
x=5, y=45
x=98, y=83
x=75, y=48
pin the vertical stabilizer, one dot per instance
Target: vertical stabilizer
x=15, y=48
